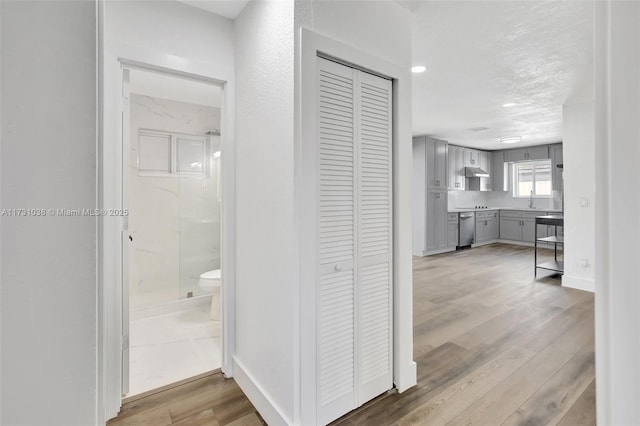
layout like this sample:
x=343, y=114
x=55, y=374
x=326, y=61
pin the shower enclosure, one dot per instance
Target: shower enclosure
x=174, y=200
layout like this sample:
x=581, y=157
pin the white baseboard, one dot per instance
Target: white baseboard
x=257, y=395
x=579, y=283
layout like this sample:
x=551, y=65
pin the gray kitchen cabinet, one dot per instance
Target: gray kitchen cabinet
x=456, y=168
x=436, y=163
x=437, y=219
x=499, y=175
x=527, y=153
x=517, y=225
x=452, y=230
x=510, y=228
x=471, y=157
x=486, y=226
x=484, y=160
x=556, y=172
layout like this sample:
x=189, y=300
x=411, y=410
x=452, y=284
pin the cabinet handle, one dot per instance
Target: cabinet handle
x=437, y=195
x=437, y=183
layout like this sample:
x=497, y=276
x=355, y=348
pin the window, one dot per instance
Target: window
x=532, y=177
x=171, y=154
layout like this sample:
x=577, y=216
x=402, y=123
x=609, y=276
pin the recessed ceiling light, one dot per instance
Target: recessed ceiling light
x=507, y=105
x=418, y=69
x=511, y=139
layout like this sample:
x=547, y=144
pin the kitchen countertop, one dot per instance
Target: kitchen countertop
x=523, y=209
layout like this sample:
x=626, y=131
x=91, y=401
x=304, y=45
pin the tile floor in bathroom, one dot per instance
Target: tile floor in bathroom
x=173, y=346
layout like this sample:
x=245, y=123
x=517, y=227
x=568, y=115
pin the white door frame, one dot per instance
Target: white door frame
x=111, y=300
x=404, y=368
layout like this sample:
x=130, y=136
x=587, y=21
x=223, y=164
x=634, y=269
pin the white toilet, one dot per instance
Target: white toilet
x=210, y=283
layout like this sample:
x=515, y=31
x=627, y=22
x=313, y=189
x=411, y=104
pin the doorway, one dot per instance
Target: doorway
x=171, y=245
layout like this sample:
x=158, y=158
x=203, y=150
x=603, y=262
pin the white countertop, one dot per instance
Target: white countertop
x=522, y=209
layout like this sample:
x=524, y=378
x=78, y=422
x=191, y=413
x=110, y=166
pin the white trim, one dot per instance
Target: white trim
x=404, y=368
x=579, y=283
x=264, y=404
x=109, y=301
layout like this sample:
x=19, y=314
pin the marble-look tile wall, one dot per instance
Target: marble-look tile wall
x=175, y=221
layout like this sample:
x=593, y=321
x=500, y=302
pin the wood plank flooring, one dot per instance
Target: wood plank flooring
x=493, y=347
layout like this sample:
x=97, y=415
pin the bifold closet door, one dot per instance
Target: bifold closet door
x=355, y=238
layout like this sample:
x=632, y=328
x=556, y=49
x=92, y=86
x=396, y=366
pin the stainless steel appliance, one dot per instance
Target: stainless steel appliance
x=467, y=229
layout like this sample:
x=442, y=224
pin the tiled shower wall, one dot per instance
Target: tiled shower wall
x=175, y=221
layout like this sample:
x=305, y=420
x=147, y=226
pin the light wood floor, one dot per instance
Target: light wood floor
x=493, y=347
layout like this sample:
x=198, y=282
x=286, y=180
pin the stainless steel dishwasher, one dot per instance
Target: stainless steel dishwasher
x=467, y=229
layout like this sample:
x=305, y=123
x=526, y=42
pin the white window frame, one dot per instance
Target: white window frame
x=514, y=179
x=173, y=158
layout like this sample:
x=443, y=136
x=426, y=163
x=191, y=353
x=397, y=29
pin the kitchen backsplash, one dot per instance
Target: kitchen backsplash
x=459, y=199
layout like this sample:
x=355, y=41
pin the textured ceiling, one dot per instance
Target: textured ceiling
x=482, y=54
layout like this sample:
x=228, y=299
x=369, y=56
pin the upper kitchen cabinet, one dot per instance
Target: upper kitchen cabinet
x=499, y=175
x=556, y=172
x=484, y=160
x=456, y=168
x=527, y=153
x=436, y=163
x=471, y=157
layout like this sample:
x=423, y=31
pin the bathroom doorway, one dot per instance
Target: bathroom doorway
x=172, y=243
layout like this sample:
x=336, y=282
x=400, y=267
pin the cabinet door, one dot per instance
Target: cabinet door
x=441, y=219
x=556, y=172
x=484, y=160
x=538, y=153
x=436, y=169
x=529, y=229
x=516, y=155
x=491, y=229
x=470, y=158
x=511, y=229
x=480, y=230
x=460, y=169
x=452, y=234
x=498, y=180
x=452, y=168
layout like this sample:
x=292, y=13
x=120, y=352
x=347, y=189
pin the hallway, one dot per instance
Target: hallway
x=492, y=347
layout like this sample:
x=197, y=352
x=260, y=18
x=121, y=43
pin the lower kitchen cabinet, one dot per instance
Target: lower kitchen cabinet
x=520, y=226
x=487, y=226
x=452, y=230
x=436, y=229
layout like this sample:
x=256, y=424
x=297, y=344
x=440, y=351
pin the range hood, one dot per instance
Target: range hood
x=475, y=172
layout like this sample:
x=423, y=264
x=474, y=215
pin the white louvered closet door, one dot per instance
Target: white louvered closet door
x=355, y=234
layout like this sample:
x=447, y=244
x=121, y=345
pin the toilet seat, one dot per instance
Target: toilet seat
x=211, y=275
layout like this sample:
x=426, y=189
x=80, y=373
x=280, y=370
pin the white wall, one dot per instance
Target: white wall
x=579, y=184
x=48, y=294
x=267, y=268
x=175, y=220
x=168, y=35
x=617, y=204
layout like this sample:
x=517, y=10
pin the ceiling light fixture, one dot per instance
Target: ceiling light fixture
x=511, y=139
x=507, y=105
x=418, y=69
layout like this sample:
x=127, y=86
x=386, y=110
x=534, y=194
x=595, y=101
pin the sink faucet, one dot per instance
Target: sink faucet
x=531, y=200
